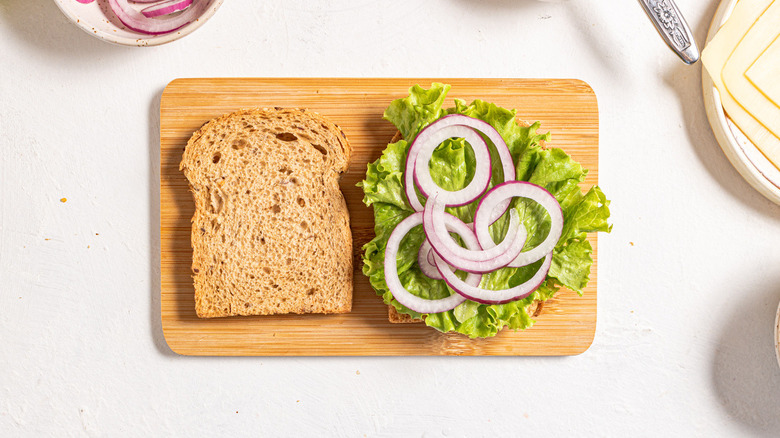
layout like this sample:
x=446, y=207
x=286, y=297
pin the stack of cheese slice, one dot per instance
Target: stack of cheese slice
x=743, y=60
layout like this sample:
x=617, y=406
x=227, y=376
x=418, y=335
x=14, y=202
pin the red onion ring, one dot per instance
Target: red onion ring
x=138, y=22
x=435, y=224
x=165, y=7
x=439, y=255
x=411, y=301
x=478, y=184
x=425, y=136
x=411, y=158
x=507, y=163
x=486, y=296
x=426, y=262
x=520, y=189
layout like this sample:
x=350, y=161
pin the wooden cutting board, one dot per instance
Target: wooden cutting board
x=567, y=324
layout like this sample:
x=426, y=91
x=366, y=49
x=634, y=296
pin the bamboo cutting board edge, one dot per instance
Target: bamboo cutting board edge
x=243, y=336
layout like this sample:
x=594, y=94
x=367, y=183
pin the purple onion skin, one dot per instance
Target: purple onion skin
x=476, y=212
x=491, y=302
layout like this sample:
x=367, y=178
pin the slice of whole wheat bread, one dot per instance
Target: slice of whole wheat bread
x=534, y=309
x=270, y=233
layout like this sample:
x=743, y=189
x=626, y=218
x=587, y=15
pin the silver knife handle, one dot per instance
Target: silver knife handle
x=669, y=22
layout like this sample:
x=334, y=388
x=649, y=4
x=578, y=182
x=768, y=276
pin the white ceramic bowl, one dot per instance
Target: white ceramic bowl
x=743, y=154
x=98, y=20
x=777, y=335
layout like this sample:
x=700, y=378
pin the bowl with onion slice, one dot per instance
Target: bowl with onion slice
x=139, y=22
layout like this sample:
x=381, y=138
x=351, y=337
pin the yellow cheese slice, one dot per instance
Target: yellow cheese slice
x=714, y=57
x=765, y=72
x=753, y=47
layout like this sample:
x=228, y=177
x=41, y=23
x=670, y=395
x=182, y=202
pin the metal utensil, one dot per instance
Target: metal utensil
x=673, y=28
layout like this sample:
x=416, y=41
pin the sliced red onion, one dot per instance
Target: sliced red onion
x=519, y=189
x=153, y=26
x=439, y=255
x=411, y=194
x=426, y=262
x=425, y=136
x=486, y=296
x=413, y=302
x=507, y=164
x=411, y=158
x=436, y=222
x=166, y=7
x=478, y=184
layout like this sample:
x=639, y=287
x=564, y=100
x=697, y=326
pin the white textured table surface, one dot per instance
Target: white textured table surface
x=689, y=279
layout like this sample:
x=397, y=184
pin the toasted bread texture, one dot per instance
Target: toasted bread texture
x=400, y=318
x=270, y=232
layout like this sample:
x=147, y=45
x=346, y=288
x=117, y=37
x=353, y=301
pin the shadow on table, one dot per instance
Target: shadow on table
x=42, y=27
x=745, y=370
x=589, y=19
x=686, y=81
x=154, y=226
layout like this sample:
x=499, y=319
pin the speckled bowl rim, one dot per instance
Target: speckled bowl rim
x=141, y=41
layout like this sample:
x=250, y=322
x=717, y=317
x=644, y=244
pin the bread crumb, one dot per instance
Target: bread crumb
x=63, y=200
x=357, y=372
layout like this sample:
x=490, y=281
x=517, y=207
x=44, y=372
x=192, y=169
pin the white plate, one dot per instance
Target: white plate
x=98, y=20
x=743, y=154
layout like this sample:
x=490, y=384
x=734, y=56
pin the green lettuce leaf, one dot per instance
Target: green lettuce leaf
x=411, y=114
x=384, y=181
x=452, y=167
